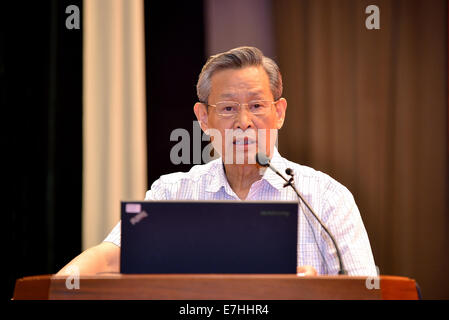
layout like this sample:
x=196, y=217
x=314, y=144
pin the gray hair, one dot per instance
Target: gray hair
x=236, y=59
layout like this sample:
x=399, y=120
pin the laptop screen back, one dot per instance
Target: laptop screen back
x=209, y=237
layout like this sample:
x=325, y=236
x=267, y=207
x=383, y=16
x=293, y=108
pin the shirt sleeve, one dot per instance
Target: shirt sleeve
x=115, y=235
x=343, y=219
x=155, y=193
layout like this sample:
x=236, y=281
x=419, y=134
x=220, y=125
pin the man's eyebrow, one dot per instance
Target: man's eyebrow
x=227, y=95
x=258, y=93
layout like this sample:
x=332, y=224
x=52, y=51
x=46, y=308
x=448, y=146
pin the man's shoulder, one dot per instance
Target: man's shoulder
x=320, y=186
x=322, y=180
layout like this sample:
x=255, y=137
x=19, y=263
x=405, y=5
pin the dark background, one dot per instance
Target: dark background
x=175, y=55
x=41, y=96
x=41, y=99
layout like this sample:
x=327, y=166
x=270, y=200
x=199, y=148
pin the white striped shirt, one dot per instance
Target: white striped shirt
x=332, y=202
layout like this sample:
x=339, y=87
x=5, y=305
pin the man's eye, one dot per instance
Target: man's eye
x=256, y=106
x=228, y=109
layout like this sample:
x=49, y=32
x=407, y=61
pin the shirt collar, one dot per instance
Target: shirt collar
x=219, y=179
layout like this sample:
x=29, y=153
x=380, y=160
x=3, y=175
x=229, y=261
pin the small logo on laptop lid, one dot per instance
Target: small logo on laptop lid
x=133, y=208
x=138, y=217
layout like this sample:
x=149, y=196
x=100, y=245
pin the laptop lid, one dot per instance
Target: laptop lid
x=209, y=237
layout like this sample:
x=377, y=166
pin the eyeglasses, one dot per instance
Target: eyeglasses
x=228, y=109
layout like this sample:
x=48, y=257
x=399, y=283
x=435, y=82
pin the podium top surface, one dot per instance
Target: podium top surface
x=213, y=287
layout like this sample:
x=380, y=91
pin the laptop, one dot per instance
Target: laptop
x=209, y=237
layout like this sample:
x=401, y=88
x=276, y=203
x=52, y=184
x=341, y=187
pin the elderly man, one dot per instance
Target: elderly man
x=240, y=91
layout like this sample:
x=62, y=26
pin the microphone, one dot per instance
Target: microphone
x=263, y=161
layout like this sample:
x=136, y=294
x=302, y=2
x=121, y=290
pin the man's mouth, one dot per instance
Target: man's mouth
x=244, y=141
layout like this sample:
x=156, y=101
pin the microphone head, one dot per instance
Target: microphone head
x=262, y=159
x=289, y=171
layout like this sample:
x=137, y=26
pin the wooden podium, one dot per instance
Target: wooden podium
x=214, y=287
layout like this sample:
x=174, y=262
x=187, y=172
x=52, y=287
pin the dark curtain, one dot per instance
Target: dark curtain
x=41, y=103
x=175, y=54
x=369, y=107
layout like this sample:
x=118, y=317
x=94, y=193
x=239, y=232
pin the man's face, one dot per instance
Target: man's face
x=245, y=133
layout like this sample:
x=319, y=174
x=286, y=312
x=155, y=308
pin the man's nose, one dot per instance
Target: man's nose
x=243, y=119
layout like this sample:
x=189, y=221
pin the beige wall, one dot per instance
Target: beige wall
x=114, y=123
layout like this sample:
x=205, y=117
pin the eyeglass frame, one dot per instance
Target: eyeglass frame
x=240, y=107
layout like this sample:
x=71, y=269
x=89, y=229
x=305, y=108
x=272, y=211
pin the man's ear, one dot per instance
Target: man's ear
x=200, y=111
x=281, y=107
